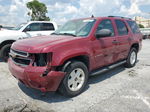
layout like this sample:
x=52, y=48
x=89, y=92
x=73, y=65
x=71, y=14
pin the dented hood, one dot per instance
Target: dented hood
x=37, y=44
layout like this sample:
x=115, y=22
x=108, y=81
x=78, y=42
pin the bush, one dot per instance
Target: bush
x=141, y=26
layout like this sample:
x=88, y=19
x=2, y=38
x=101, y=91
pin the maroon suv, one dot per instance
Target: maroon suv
x=78, y=49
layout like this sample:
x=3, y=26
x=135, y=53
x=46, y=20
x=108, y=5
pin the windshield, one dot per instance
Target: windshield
x=76, y=28
x=19, y=26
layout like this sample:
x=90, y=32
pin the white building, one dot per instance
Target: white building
x=141, y=20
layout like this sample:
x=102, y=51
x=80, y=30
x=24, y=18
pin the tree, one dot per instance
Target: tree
x=38, y=11
x=141, y=26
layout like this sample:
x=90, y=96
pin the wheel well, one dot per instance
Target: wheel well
x=136, y=45
x=6, y=42
x=82, y=58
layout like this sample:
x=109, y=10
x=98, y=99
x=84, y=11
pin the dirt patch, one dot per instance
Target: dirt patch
x=24, y=108
x=132, y=73
x=146, y=64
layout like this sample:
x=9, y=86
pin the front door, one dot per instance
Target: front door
x=34, y=29
x=106, y=46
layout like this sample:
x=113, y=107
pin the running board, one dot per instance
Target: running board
x=104, y=69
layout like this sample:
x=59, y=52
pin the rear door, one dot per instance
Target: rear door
x=47, y=28
x=123, y=38
x=106, y=47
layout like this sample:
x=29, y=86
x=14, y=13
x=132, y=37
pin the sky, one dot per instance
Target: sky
x=14, y=12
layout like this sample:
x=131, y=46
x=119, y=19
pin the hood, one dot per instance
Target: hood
x=36, y=44
x=6, y=32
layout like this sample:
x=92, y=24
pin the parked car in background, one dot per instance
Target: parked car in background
x=145, y=32
x=25, y=30
x=1, y=27
x=7, y=28
x=77, y=50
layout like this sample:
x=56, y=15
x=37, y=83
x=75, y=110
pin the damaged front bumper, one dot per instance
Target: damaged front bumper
x=33, y=77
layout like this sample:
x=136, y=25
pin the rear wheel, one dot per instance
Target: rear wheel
x=75, y=79
x=132, y=58
x=4, y=53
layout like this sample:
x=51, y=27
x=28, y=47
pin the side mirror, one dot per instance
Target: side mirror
x=103, y=33
x=26, y=29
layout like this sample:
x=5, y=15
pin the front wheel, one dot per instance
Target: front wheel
x=75, y=79
x=132, y=58
x=4, y=53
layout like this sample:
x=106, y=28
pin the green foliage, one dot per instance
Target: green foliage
x=141, y=26
x=38, y=11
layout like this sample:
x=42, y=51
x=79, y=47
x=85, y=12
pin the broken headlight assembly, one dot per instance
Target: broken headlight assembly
x=42, y=59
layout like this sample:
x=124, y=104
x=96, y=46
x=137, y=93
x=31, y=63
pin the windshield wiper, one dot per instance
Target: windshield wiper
x=63, y=34
x=55, y=33
x=67, y=34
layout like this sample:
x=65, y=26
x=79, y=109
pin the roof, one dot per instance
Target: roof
x=109, y=17
x=41, y=22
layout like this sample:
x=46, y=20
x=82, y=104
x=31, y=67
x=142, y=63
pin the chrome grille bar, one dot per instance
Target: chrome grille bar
x=18, y=53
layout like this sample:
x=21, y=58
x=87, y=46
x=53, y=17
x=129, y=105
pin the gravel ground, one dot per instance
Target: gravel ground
x=118, y=90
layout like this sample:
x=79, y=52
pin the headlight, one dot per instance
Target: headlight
x=42, y=59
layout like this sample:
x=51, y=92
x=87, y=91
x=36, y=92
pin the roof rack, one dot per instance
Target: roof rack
x=120, y=17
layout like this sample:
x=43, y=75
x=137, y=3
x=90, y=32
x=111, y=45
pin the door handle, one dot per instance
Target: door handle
x=115, y=42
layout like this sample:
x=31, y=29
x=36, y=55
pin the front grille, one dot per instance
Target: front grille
x=19, y=53
x=21, y=61
x=20, y=58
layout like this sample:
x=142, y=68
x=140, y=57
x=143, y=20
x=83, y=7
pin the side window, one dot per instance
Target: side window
x=121, y=27
x=106, y=24
x=134, y=27
x=34, y=27
x=47, y=26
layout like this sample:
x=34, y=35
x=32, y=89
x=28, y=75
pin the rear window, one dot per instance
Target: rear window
x=134, y=27
x=121, y=27
x=47, y=26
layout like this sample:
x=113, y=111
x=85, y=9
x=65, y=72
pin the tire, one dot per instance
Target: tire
x=4, y=52
x=132, y=58
x=144, y=37
x=75, y=79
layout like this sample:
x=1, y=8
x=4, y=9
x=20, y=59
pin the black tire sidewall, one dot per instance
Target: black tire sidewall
x=128, y=64
x=74, y=64
x=4, y=51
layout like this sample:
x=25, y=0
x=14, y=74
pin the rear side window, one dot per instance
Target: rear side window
x=47, y=26
x=106, y=24
x=134, y=27
x=121, y=27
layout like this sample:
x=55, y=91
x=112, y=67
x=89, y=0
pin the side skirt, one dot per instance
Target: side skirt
x=104, y=69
